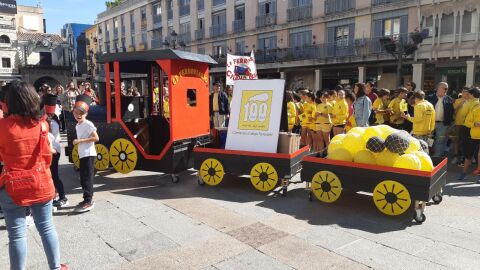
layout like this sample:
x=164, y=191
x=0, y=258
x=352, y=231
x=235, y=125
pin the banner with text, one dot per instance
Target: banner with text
x=255, y=115
x=8, y=7
x=241, y=68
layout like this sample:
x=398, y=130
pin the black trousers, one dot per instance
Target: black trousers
x=87, y=172
x=56, y=179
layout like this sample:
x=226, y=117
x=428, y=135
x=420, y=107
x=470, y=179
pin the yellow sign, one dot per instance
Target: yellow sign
x=255, y=110
x=189, y=72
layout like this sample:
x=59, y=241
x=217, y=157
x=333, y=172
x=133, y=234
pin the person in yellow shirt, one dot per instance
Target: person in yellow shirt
x=332, y=96
x=472, y=122
x=396, y=120
x=308, y=122
x=350, y=123
x=323, y=123
x=291, y=111
x=459, y=130
x=339, y=113
x=301, y=118
x=380, y=106
x=423, y=118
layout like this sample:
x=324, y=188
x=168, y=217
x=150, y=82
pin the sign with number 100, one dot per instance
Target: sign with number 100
x=255, y=110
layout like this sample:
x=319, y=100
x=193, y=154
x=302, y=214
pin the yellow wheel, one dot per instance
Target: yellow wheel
x=326, y=186
x=211, y=172
x=103, y=158
x=123, y=155
x=75, y=157
x=263, y=176
x=391, y=198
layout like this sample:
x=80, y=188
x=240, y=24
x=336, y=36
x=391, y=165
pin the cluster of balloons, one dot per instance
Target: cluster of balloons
x=381, y=145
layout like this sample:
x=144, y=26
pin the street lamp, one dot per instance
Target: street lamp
x=173, y=39
x=400, y=51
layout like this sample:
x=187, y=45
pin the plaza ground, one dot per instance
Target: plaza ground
x=144, y=221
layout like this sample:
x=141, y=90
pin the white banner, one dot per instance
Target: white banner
x=255, y=115
x=241, y=68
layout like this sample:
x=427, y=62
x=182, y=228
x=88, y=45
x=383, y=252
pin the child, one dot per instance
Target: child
x=323, y=122
x=50, y=103
x=339, y=113
x=380, y=106
x=309, y=108
x=86, y=138
x=396, y=120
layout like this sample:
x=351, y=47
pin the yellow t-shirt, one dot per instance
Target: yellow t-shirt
x=324, y=108
x=395, y=106
x=379, y=105
x=309, y=109
x=215, y=102
x=340, y=112
x=466, y=108
x=292, y=114
x=166, y=109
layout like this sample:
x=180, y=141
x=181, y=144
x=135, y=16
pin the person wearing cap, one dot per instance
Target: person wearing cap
x=219, y=107
x=50, y=107
x=86, y=138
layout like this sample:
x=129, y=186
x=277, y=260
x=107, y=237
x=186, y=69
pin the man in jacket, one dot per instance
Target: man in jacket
x=444, y=112
x=219, y=107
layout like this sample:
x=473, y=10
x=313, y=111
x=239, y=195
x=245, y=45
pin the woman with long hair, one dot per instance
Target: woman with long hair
x=24, y=146
x=362, y=107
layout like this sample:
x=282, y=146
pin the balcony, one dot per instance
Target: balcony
x=299, y=13
x=238, y=26
x=170, y=14
x=378, y=4
x=264, y=20
x=200, y=5
x=199, y=34
x=156, y=43
x=184, y=10
x=218, y=30
x=186, y=37
x=218, y=2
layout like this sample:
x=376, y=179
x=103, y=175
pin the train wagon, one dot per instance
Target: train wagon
x=394, y=189
x=157, y=129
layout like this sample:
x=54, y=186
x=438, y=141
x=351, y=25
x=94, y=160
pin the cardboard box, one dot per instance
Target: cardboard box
x=288, y=143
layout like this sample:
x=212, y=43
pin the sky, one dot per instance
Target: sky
x=59, y=12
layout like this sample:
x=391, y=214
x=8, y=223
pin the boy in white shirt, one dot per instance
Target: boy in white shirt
x=86, y=138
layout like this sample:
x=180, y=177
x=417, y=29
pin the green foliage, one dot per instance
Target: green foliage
x=114, y=3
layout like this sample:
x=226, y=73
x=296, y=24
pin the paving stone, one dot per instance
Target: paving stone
x=452, y=257
x=252, y=259
x=209, y=213
x=144, y=246
x=287, y=223
x=381, y=257
x=300, y=254
x=257, y=234
x=328, y=237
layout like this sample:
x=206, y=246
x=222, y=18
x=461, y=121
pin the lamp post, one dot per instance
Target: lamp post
x=173, y=40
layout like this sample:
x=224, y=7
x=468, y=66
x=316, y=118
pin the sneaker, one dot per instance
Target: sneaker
x=462, y=177
x=85, y=207
x=30, y=221
x=454, y=160
x=60, y=203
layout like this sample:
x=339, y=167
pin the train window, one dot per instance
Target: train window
x=192, y=97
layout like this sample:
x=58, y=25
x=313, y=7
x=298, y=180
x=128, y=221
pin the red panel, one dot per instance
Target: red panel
x=188, y=121
x=374, y=167
x=116, y=70
x=108, y=93
x=250, y=153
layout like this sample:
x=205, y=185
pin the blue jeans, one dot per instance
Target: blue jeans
x=17, y=231
x=440, y=143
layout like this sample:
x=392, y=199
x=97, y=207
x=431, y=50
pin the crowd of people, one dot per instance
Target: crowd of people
x=448, y=121
x=30, y=186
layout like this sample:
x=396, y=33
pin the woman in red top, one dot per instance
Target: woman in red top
x=19, y=146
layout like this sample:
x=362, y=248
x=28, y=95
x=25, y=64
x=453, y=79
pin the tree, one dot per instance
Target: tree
x=114, y=3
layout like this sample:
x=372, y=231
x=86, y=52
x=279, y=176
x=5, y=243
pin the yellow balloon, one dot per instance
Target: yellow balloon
x=365, y=156
x=334, y=145
x=386, y=130
x=338, y=137
x=425, y=160
x=340, y=154
x=386, y=158
x=358, y=130
x=371, y=132
x=408, y=161
x=414, y=146
x=354, y=142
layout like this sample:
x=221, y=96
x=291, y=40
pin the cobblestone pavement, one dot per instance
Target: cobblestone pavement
x=144, y=221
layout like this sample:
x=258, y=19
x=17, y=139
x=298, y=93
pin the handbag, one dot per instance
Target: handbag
x=27, y=187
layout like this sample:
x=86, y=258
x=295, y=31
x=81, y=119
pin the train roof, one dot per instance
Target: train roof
x=152, y=55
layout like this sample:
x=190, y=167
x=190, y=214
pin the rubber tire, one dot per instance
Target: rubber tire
x=175, y=178
x=437, y=199
x=420, y=219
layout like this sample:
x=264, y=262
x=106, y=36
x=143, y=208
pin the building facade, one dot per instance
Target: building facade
x=73, y=33
x=313, y=44
x=8, y=43
x=91, y=51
